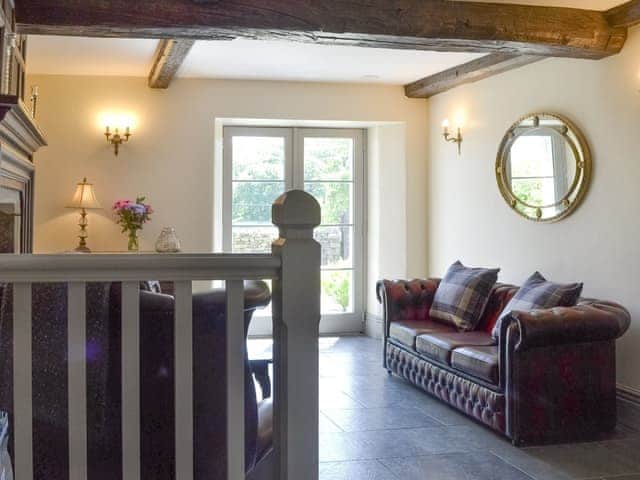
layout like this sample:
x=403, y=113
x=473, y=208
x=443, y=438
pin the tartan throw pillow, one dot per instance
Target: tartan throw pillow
x=462, y=295
x=538, y=293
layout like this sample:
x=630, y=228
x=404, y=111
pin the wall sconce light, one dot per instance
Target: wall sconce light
x=116, y=139
x=447, y=136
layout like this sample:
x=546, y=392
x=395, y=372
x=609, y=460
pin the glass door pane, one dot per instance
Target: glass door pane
x=257, y=171
x=329, y=166
x=257, y=168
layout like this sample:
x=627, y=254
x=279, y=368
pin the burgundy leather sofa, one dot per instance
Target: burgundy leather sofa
x=550, y=377
x=104, y=409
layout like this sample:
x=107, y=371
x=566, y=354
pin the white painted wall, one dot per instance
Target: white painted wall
x=387, y=219
x=170, y=157
x=599, y=244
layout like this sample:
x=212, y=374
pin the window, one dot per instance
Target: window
x=538, y=170
x=261, y=163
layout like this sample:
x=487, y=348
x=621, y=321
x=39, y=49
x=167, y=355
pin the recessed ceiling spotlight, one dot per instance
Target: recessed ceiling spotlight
x=370, y=77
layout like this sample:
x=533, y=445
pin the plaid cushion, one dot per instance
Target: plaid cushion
x=462, y=295
x=538, y=293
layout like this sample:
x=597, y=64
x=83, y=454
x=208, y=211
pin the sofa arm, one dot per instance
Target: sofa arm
x=406, y=299
x=592, y=321
x=558, y=369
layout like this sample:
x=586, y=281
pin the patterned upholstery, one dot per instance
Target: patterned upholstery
x=501, y=294
x=462, y=295
x=538, y=293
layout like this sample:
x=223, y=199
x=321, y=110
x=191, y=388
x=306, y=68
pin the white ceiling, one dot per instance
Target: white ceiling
x=90, y=56
x=587, y=4
x=273, y=60
x=239, y=59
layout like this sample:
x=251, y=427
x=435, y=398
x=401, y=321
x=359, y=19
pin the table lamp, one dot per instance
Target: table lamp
x=84, y=199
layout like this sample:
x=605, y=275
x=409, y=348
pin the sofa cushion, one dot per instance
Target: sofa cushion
x=538, y=293
x=477, y=361
x=439, y=346
x=462, y=295
x=406, y=331
x=500, y=296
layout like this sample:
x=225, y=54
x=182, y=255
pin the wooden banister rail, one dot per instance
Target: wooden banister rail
x=294, y=267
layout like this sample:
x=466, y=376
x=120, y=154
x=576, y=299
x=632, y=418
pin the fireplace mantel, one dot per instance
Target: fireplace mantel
x=20, y=138
x=18, y=128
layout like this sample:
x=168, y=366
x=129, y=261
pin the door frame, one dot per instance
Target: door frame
x=352, y=322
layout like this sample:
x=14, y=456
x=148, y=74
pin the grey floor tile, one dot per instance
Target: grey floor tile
x=327, y=426
x=378, y=444
x=629, y=414
x=582, y=460
x=407, y=442
x=624, y=477
x=360, y=470
x=339, y=366
x=334, y=398
x=471, y=466
x=443, y=413
x=341, y=447
x=538, y=468
x=357, y=420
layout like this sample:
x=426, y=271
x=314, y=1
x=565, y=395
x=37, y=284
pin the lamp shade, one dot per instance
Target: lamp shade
x=84, y=196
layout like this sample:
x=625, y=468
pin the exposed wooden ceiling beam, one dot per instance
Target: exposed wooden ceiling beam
x=167, y=60
x=472, y=71
x=625, y=15
x=441, y=25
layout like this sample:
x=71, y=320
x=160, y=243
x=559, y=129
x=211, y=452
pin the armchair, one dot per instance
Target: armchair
x=50, y=435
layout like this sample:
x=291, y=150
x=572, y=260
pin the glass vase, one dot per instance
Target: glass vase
x=168, y=241
x=133, y=245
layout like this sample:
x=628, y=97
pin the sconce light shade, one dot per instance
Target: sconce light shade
x=84, y=197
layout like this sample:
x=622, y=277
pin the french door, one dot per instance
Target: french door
x=262, y=162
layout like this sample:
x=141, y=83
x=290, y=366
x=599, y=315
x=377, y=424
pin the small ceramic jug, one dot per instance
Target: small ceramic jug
x=167, y=242
x=6, y=471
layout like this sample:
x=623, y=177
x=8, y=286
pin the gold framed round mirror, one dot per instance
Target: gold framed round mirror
x=543, y=167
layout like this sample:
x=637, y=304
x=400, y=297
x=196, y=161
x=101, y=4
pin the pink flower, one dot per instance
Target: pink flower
x=120, y=204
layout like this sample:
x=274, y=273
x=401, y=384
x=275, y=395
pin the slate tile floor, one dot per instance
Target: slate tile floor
x=377, y=427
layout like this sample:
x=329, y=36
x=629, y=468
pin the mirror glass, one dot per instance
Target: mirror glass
x=543, y=167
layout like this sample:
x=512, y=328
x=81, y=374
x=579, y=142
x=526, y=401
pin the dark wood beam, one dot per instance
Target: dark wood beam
x=472, y=71
x=441, y=25
x=167, y=60
x=625, y=15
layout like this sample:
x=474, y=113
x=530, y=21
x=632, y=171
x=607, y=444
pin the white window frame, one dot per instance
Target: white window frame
x=350, y=322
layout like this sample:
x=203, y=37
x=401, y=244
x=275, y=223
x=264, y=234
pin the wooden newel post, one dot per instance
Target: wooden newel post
x=296, y=317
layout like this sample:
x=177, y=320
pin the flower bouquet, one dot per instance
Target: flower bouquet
x=131, y=216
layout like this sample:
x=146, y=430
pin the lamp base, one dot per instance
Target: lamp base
x=82, y=236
